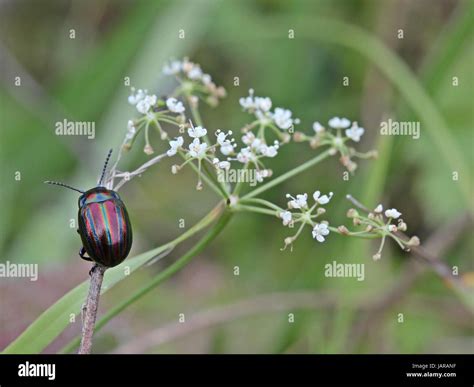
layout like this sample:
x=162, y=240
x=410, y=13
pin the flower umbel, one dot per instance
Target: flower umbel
x=342, y=131
x=306, y=216
x=375, y=224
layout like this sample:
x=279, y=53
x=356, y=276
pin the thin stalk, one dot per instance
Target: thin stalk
x=287, y=175
x=220, y=185
x=162, y=276
x=263, y=202
x=241, y=207
x=90, y=309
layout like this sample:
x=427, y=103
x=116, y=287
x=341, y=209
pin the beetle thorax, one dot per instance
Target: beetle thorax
x=97, y=195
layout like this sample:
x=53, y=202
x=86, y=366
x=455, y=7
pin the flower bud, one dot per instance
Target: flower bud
x=343, y=230
x=402, y=226
x=414, y=241
x=320, y=210
x=148, y=149
x=352, y=213
x=298, y=137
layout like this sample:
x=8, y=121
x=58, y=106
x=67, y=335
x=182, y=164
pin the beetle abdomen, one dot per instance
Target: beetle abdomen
x=105, y=231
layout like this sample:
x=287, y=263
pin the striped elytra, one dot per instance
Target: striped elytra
x=104, y=226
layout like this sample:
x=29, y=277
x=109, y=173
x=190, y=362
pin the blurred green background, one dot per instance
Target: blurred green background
x=83, y=79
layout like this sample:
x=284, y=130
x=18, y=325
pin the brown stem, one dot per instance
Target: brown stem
x=90, y=309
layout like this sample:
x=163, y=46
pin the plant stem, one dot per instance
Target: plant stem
x=165, y=274
x=263, y=202
x=287, y=175
x=241, y=207
x=90, y=309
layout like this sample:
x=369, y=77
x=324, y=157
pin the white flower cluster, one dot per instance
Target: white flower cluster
x=261, y=108
x=375, y=223
x=196, y=80
x=142, y=100
x=352, y=131
x=342, y=131
x=306, y=215
x=174, y=105
x=200, y=150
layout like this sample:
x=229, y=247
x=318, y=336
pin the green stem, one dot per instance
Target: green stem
x=263, y=202
x=219, y=184
x=238, y=186
x=205, y=178
x=287, y=175
x=165, y=274
x=241, y=207
x=196, y=115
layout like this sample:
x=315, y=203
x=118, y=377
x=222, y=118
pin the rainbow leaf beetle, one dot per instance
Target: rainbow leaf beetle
x=104, y=224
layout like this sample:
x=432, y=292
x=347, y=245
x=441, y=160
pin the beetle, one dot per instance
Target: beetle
x=104, y=224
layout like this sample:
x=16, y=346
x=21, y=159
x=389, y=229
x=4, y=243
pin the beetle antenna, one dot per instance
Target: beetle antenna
x=105, y=167
x=63, y=185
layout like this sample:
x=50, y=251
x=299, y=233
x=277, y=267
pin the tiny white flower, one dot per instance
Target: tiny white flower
x=392, y=213
x=257, y=144
x=221, y=137
x=355, y=132
x=265, y=118
x=263, y=103
x=146, y=103
x=339, y=123
x=247, y=103
x=378, y=209
x=227, y=148
x=322, y=199
x=131, y=130
x=172, y=68
x=221, y=164
x=301, y=201
x=174, y=105
x=206, y=79
x=226, y=145
x=197, y=149
x=174, y=145
x=195, y=72
x=245, y=155
x=317, y=127
x=286, y=217
x=262, y=174
x=282, y=118
x=197, y=131
x=391, y=228
x=248, y=138
x=137, y=96
x=269, y=151
x=320, y=230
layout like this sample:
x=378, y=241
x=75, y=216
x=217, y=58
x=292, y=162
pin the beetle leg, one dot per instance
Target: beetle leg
x=82, y=253
x=92, y=269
